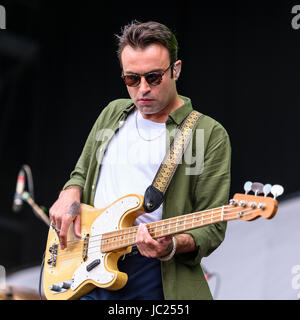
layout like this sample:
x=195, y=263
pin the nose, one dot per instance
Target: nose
x=144, y=86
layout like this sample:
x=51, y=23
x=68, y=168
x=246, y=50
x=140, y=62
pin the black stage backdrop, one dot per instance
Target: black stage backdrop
x=241, y=63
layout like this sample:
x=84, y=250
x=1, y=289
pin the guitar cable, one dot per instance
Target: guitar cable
x=41, y=274
x=28, y=172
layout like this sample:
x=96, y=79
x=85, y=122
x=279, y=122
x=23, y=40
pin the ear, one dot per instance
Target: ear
x=177, y=69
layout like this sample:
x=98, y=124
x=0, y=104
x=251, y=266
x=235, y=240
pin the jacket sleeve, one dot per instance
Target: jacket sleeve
x=211, y=191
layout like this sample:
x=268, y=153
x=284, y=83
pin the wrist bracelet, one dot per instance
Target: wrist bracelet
x=171, y=254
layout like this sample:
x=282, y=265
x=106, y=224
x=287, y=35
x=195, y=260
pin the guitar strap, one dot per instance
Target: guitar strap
x=154, y=194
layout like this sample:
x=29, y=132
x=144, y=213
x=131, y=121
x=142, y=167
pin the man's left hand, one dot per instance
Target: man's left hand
x=152, y=248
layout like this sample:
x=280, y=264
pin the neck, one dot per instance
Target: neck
x=127, y=237
x=162, y=116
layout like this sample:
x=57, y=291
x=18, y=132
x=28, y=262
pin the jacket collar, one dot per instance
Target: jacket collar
x=181, y=113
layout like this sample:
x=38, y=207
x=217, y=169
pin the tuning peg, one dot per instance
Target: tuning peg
x=277, y=190
x=267, y=189
x=257, y=188
x=247, y=186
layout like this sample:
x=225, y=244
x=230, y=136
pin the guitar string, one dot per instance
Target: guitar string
x=133, y=233
x=154, y=222
x=167, y=224
x=191, y=223
x=135, y=227
x=97, y=247
x=63, y=256
x=172, y=222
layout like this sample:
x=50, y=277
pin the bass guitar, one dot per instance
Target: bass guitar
x=108, y=234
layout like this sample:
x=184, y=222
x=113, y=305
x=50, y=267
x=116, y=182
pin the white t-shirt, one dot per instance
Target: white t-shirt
x=130, y=163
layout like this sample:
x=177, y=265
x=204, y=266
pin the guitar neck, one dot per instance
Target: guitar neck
x=123, y=238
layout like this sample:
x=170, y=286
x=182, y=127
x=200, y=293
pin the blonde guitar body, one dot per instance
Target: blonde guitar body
x=73, y=272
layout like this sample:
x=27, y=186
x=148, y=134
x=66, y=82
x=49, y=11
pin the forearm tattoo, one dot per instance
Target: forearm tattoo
x=74, y=209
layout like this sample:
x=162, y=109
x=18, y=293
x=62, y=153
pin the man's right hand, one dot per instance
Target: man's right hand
x=64, y=211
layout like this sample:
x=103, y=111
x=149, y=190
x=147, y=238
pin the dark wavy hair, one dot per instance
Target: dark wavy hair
x=140, y=35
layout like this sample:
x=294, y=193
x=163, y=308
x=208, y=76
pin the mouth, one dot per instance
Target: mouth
x=145, y=100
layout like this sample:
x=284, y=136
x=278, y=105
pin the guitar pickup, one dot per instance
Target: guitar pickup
x=53, y=255
x=92, y=265
x=85, y=247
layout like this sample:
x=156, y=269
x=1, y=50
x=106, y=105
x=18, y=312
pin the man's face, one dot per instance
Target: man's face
x=154, y=58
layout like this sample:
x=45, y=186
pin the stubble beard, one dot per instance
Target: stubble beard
x=149, y=109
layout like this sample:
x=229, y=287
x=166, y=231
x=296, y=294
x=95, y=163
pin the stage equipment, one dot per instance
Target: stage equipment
x=21, y=195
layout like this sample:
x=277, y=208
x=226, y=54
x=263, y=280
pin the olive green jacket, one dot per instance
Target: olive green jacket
x=188, y=191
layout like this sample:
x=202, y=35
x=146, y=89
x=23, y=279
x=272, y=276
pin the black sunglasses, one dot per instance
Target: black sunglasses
x=153, y=78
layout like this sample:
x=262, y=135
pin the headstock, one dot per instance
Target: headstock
x=250, y=207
